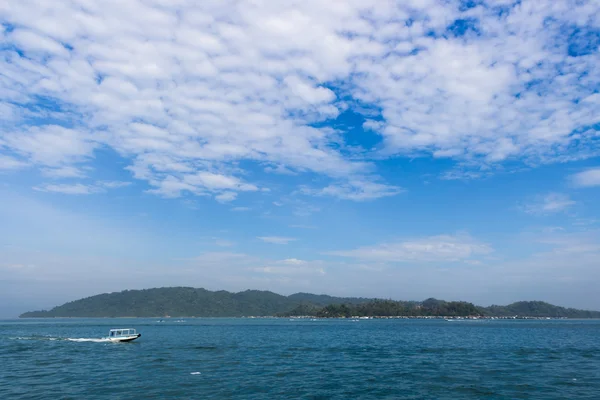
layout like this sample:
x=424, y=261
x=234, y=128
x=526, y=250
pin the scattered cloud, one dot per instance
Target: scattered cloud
x=293, y=267
x=50, y=145
x=300, y=226
x=224, y=187
x=293, y=261
x=304, y=209
x=259, y=82
x=113, y=184
x=585, y=221
x=212, y=181
x=442, y=248
x=63, y=172
x=287, y=270
x=549, y=204
x=587, y=178
x=561, y=242
x=64, y=188
x=226, y=197
x=80, y=188
x=228, y=100
x=463, y=174
x=276, y=239
x=244, y=269
x=11, y=163
x=280, y=169
x=240, y=209
x=356, y=189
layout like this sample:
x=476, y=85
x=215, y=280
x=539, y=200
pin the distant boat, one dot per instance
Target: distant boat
x=123, y=335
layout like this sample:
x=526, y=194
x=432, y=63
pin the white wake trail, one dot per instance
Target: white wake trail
x=103, y=340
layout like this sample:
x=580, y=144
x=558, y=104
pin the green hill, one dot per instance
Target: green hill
x=186, y=302
x=538, y=309
x=192, y=302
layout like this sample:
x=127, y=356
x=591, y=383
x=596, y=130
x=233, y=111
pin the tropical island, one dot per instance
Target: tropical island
x=197, y=302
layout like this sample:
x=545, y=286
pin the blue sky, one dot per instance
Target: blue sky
x=405, y=150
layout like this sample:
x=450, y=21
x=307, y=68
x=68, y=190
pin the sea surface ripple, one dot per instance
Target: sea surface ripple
x=205, y=358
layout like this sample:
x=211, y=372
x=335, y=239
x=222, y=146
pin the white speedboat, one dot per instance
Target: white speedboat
x=123, y=335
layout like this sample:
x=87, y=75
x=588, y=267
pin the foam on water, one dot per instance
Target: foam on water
x=47, y=338
x=35, y=338
x=102, y=340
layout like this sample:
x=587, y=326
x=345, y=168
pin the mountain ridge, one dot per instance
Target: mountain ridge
x=198, y=302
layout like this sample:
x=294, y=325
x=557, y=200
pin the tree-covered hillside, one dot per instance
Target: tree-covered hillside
x=538, y=309
x=390, y=308
x=186, y=301
x=192, y=302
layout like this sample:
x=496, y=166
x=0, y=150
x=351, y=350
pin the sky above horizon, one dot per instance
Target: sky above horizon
x=373, y=148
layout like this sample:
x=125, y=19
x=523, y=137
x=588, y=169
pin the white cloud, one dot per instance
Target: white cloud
x=17, y=266
x=80, y=188
x=463, y=174
x=293, y=267
x=50, y=145
x=287, y=270
x=63, y=172
x=224, y=187
x=226, y=197
x=276, y=239
x=293, y=261
x=213, y=181
x=240, y=209
x=224, y=243
x=587, y=178
x=186, y=90
x=10, y=163
x=357, y=190
x=75, y=188
x=113, y=184
x=549, y=204
x=442, y=248
x=305, y=209
x=571, y=243
x=172, y=187
x=35, y=42
x=300, y=226
x=280, y=169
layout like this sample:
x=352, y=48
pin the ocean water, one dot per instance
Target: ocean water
x=288, y=359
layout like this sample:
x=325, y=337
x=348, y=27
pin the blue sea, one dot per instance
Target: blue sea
x=205, y=358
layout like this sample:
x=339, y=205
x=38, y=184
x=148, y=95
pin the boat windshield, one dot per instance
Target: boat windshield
x=121, y=332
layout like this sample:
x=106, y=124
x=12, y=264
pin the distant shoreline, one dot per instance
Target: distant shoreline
x=179, y=302
x=165, y=319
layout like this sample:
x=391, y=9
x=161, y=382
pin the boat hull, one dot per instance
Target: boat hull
x=125, y=338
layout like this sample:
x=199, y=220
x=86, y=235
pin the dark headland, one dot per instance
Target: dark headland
x=192, y=302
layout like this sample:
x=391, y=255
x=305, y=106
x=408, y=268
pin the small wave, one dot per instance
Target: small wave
x=467, y=320
x=204, y=348
x=194, y=373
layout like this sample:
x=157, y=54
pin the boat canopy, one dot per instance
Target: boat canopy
x=122, y=332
